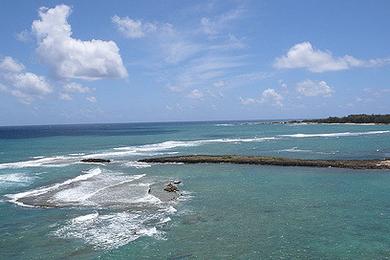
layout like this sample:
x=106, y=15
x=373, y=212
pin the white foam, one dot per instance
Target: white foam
x=113, y=230
x=56, y=161
x=295, y=150
x=85, y=218
x=167, y=145
x=81, y=193
x=141, y=150
x=300, y=135
x=165, y=220
x=76, y=154
x=224, y=124
x=88, y=174
x=15, y=179
x=138, y=165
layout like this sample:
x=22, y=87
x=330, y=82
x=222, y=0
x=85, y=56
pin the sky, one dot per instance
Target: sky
x=67, y=62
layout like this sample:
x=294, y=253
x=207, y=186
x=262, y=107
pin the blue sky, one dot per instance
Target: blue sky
x=126, y=61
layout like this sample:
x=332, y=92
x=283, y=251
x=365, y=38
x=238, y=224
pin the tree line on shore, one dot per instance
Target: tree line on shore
x=358, y=119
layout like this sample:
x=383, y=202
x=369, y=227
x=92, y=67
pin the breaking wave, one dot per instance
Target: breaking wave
x=15, y=198
x=336, y=134
x=110, y=231
x=162, y=148
x=15, y=179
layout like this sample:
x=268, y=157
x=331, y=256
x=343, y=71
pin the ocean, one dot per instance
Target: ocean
x=52, y=206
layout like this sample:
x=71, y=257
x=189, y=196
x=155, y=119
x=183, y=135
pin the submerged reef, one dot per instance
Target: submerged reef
x=278, y=161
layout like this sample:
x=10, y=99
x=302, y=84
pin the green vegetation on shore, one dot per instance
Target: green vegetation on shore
x=263, y=160
x=357, y=119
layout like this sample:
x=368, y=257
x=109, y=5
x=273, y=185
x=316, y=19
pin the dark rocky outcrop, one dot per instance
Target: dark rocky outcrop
x=170, y=187
x=95, y=160
x=264, y=160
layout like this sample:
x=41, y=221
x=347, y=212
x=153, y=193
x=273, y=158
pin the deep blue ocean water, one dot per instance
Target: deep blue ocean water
x=53, y=206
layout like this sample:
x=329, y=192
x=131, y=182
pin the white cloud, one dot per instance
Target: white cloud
x=24, y=36
x=75, y=88
x=8, y=64
x=178, y=51
x=219, y=84
x=26, y=86
x=247, y=101
x=312, y=88
x=303, y=55
x=72, y=58
x=207, y=70
x=184, y=60
x=171, y=44
x=196, y=94
x=65, y=96
x=91, y=99
x=212, y=26
x=133, y=28
x=271, y=96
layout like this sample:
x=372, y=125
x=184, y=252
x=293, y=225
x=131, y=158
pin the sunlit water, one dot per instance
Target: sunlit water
x=52, y=205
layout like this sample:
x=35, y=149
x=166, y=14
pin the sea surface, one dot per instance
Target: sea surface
x=52, y=206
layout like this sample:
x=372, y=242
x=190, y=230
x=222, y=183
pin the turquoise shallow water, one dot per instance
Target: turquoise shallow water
x=226, y=211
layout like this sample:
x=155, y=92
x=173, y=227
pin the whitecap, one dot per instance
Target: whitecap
x=295, y=150
x=136, y=164
x=16, y=197
x=224, y=124
x=301, y=135
x=110, y=231
x=156, y=149
x=19, y=179
x=56, y=161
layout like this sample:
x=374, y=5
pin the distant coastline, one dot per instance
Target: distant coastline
x=350, y=119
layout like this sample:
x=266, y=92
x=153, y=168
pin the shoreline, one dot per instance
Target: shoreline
x=275, y=161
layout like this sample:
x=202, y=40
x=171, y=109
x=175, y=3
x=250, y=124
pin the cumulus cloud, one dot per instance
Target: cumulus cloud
x=271, y=96
x=196, y=94
x=304, y=55
x=9, y=65
x=312, y=88
x=25, y=86
x=133, y=28
x=71, y=58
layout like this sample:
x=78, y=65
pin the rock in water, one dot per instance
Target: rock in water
x=171, y=188
x=95, y=160
x=176, y=182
